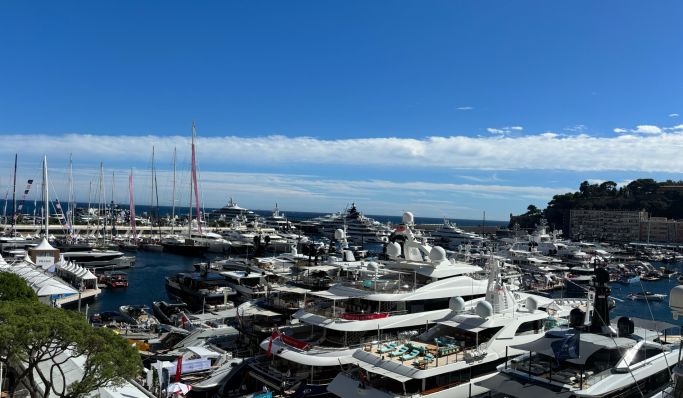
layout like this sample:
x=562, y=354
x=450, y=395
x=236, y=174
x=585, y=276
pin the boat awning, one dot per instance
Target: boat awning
x=589, y=344
x=469, y=325
x=330, y=296
x=384, y=372
x=503, y=384
x=652, y=325
x=290, y=289
x=204, y=352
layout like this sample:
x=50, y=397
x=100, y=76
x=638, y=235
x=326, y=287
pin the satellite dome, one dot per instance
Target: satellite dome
x=339, y=234
x=531, y=304
x=373, y=266
x=437, y=254
x=393, y=250
x=484, y=309
x=456, y=304
x=408, y=218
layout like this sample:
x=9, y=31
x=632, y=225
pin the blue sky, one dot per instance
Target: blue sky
x=446, y=108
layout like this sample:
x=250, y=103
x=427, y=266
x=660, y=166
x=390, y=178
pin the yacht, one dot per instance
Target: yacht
x=593, y=357
x=278, y=221
x=247, y=284
x=452, y=237
x=95, y=258
x=231, y=211
x=378, y=302
x=358, y=228
x=200, y=290
x=464, y=347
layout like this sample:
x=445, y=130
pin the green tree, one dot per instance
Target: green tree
x=37, y=340
x=13, y=287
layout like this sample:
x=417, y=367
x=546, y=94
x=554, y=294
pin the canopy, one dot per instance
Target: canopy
x=652, y=325
x=589, y=344
x=385, y=372
x=504, y=384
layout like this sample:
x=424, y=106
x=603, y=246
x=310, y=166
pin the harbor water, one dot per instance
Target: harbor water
x=146, y=284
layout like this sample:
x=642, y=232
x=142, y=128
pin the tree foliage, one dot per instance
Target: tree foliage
x=660, y=199
x=13, y=287
x=38, y=340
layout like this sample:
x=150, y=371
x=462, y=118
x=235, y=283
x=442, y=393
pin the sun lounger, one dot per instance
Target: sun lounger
x=387, y=348
x=400, y=351
x=411, y=355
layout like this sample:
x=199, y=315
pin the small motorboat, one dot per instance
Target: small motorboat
x=649, y=296
x=651, y=276
x=627, y=279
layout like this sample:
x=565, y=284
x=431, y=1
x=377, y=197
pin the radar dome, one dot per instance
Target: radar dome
x=531, y=304
x=339, y=234
x=408, y=218
x=456, y=304
x=393, y=250
x=373, y=266
x=484, y=309
x=437, y=254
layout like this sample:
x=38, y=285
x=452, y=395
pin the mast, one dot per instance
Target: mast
x=173, y=197
x=189, y=217
x=156, y=209
x=72, y=205
x=14, y=199
x=132, y=207
x=111, y=207
x=194, y=180
x=100, y=205
x=151, y=201
x=46, y=202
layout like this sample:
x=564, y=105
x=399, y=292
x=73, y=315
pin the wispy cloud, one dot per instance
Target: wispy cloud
x=640, y=129
x=673, y=114
x=465, y=108
x=504, y=130
x=548, y=151
x=577, y=128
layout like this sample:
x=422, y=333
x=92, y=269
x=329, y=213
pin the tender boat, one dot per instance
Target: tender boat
x=647, y=296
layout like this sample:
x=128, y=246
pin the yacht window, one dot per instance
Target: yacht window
x=530, y=327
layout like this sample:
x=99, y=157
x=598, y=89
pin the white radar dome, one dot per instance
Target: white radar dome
x=339, y=234
x=373, y=266
x=484, y=309
x=408, y=218
x=437, y=254
x=456, y=304
x=393, y=250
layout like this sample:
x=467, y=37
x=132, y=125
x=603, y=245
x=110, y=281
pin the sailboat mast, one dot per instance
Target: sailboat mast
x=46, y=202
x=189, y=218
x=111, y=207
x=132, y=207
x=173, y=196
x=151, y=200
x=194, y=179
x=72, y=205
x=100, y=205
x=14, y=199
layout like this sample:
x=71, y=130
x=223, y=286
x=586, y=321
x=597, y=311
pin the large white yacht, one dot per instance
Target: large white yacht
x=378, y=303
x=452, y=237
x=359, y=228
x=460, y=349
x=592, y=358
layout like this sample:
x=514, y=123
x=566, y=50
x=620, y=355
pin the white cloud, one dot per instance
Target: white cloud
x=641, y=129
x=465, y=108
x=673, y=114
x=577, y=128
x=504, y=130
x=627, y=152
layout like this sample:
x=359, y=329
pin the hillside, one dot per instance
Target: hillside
x=660, y=199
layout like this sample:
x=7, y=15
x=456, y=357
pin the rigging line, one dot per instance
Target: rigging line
x=642, y=288
x=628, y=366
